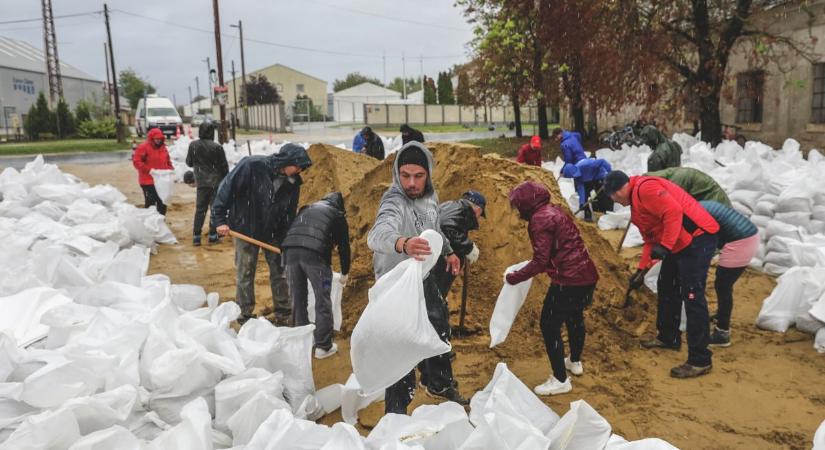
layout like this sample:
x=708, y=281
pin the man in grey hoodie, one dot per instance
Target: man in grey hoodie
x=407, y=208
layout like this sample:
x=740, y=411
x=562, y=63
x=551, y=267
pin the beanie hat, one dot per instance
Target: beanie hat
x=413, y=155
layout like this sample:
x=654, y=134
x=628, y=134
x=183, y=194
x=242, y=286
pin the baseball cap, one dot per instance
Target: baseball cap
x=478, y=199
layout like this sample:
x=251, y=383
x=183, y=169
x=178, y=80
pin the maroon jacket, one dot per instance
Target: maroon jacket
x=558, y=248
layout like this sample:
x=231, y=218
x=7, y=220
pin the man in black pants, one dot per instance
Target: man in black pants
x=559, y=251
x=316, y=230
x=208, y=160
x=408, y=208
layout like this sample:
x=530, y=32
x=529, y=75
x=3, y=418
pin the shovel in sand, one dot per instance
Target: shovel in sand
x=252, y=241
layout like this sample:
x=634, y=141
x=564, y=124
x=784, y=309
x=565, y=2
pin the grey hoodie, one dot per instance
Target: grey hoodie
x=400, y=216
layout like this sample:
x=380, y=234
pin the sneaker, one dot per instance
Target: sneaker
x=554, y=387
x=574, y=367
x=656, y=343
x=321, y=353
x=689, y=371
x=450, y=394
x=196, y=241
x=719, y=338
x=214, y=238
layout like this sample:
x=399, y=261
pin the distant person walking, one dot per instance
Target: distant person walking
x=530, y=153
x=208, y=160
x=149, y=155
x=409, y=133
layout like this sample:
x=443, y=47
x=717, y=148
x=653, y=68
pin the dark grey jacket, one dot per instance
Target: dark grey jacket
x=207, y=158
x=457, y=220
x=320, y=227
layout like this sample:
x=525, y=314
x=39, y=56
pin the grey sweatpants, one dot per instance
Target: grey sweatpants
x=302, y=265
x=246, y=262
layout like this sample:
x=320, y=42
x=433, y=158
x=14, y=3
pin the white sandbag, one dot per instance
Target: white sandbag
x=22, y=313
x=83, y=211
x=773, y=269
x=815, y=227
x=756, y=263
x=799, y=219
x=614, y=220
x=500, y=430
x=353, y=399
x=234, y=392
x=47, y=430
x=110, y=438
x=652, y=277
x=129, y=266
x=764, y=208
x=508, y=304
x=617, y=442
x=778, y=228
x=819, y=345
x=759, y=220
x=188, y=297
x=788, y=204
x=741, y=208
x=807, y=255
x=281, y=430
x=246, y=420
x=818, y=213
x=424, y=427
x=164, y=180
x=633, y=237
x=581, y=427
x=344, y=436
x=779, y=259
x=795, y=293
x=505, y=393
x=194, y=431
x=335, y=294
x=65, y=322
x=747, y=198
x=105, y=194
x=819, y=437
x=394, y=332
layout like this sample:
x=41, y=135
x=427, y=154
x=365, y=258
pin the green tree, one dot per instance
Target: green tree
x=261, y=91
x=353, y=79
x=82, y=112
x=65, y=119
x=429, y=92
x=413, y=85
x=462, y=92
x=445, y=89
x=39, y=120
x=132, y=86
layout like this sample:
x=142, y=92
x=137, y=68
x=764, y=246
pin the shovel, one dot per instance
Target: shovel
x=252, y=241
x=463, y=311
x=588, y=202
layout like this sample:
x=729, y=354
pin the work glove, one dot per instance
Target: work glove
x=659, y=252
x=472, y=257
x=343, y=280
x=638, y=279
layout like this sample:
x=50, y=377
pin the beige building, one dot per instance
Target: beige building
x=289, y=83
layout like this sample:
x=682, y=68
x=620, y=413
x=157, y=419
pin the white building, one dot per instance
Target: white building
x=348, y=105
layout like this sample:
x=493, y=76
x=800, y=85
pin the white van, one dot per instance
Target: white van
x=158, y=112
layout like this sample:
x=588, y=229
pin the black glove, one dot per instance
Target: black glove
x=638, y=279
x=659, y=252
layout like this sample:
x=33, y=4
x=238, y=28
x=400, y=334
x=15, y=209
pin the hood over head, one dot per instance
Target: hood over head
x=207, y=130
x=652, y=136
x=405, y=129
x=367, y=133
x=153, y=134
x=528, y=197
x=428, y=156
x=289, y=155
x=336, y=199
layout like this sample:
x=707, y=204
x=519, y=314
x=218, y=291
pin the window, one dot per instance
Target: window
x=279, y=88
x=749, y=96
x=818, y=100
x=299, y=87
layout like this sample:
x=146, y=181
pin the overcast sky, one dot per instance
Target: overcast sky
x=355, y=33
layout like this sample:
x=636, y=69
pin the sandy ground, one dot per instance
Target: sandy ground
x=765, y=392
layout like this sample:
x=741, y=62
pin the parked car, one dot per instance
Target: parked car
x=157, y=112
x=198, y=119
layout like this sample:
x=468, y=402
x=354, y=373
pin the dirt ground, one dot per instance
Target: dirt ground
x=765, y=391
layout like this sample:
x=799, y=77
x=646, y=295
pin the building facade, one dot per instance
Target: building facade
x=289, y=82
x=23, y=77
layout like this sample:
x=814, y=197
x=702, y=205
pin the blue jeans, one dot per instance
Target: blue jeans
x=682, y=279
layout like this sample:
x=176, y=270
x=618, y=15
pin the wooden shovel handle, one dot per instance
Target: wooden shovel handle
x=246, y=238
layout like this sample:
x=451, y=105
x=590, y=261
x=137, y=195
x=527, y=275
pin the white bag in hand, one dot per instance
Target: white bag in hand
x=164, y=182
x=394, y=333
x=507, y=306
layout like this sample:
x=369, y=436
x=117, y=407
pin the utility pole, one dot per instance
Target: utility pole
x=384, y=60
x=222, y=135
x=404, y=74
x=421, y=61
x=209, y=76
x=234, y=90
x=190, y=96
x=121, y=135
x=108, y=81
x=197, y=88
x=244, y=99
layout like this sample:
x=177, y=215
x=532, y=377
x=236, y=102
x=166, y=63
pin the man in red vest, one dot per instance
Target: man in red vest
x=530, y=154
x=680, y=233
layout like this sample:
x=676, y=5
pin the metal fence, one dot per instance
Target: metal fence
x=271, y=117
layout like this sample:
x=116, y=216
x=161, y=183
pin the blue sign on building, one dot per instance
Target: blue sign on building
x=24, y=85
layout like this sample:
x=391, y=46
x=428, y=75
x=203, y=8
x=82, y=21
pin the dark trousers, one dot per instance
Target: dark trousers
x=203, y=200
x=725, y=279
x=564, y=305
x=602, y=203
x=439, y=369
x=302, y=265
x=151, y=198
x=443, y=278
x=682, y=280
x=246, y=263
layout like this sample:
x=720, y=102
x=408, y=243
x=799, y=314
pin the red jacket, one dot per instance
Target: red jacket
x=558, y=249
x=148, y=157
x=661, y=210
x=529, y=155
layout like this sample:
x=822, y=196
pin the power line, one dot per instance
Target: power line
x=65, y=16
x=395, y=19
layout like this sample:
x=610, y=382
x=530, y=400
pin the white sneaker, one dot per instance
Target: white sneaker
x=574, y=367
x=321, y=353
x=553, y=387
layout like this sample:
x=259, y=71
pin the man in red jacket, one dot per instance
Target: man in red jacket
x=558, y=251
x=680, y=233
x=530, y=154
x=149, y=155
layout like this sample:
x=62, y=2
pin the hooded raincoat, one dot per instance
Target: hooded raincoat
x=148, y=157
x=207, y=157
x=666, y=153
x=400, y=216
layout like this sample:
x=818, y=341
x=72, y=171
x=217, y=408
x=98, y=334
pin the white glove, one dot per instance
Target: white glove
x=472, y=257
x=343, y=280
